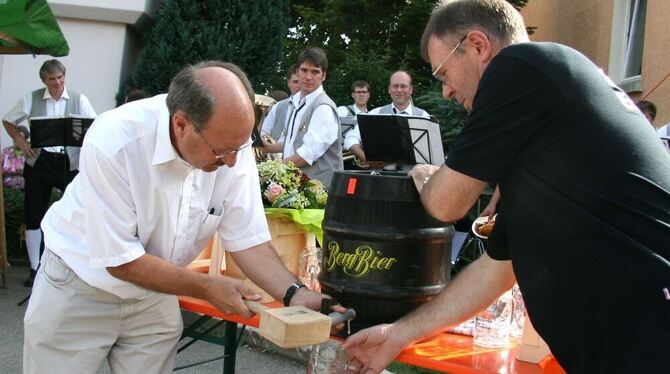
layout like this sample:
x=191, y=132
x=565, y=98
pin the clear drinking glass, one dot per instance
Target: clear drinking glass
x=518, y=313
x=493, y=324
x=327, y=358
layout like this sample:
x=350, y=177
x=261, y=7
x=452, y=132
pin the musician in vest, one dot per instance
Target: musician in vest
x=400, y=89
x=360, y=92
x=311, y=138
x=45, y=167
x=274, y=122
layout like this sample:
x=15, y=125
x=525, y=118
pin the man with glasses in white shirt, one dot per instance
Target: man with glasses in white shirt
x=158, y=178
x=400, y=90
x=360, y=92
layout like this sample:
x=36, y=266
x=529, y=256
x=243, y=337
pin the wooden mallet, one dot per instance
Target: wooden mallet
x=296, y=326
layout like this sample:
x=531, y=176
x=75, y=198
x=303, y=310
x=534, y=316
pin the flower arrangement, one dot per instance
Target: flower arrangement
x=12, y=167
x=286, y=186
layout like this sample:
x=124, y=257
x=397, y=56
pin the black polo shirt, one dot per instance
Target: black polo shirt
x=585, y=208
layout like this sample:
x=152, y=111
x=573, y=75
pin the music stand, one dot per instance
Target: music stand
x=401, y=139
x=67, y=131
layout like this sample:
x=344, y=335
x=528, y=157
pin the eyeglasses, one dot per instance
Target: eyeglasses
x=223, y=154
x=360, y=92
x=442, y=78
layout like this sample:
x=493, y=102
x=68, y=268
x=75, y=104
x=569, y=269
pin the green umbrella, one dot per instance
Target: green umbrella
x=28, y=26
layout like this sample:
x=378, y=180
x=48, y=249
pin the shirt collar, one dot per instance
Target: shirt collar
x=47, y=95
x=164, y=150
x=407, y=110
x=308, y=99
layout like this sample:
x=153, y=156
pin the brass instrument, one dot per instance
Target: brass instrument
x=348, y=156
x=262, y=106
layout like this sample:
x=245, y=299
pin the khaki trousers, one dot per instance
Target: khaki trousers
x=71, y=327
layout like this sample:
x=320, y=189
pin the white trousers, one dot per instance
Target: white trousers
x=71, y=327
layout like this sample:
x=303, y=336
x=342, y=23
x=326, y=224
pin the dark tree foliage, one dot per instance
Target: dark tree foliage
x=380, y=35
x=249, y=33
x=370, y=39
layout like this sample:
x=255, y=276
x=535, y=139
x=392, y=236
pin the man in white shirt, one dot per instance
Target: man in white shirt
x=311, y=138
x=360, y=92
x=158, y=178
x=274, y=122
x=48, y=167
x=400, y=89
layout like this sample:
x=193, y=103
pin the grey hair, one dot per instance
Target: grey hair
x=498, y=19
x=51, y=67
x=188, y=93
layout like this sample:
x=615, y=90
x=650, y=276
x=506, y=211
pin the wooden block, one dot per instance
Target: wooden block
x=294, y=326
x=532, y=348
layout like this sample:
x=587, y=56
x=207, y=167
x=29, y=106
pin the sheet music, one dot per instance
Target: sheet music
x=426, y=151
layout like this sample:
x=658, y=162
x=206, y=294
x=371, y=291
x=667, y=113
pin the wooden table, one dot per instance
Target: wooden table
x=446, y=352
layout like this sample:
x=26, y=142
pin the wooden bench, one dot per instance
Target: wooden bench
x=446, y=352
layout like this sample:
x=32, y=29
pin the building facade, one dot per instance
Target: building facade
x=628, y=39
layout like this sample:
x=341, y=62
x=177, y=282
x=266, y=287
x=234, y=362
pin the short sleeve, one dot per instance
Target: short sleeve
x=513, y=102
x=269, y=121
x=352, y=137
x=244, y=225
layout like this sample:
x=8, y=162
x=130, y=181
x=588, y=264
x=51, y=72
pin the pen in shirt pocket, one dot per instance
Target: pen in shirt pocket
x=209, y=213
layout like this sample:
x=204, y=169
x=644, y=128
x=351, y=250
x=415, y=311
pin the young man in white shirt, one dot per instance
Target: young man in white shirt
x=360, y=92
x=311, y=138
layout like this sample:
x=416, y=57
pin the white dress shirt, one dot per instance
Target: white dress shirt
x=343, y=111
x=322, y=132
x=135, y=195
x=409, y=111
x=21, y=110
x=269, y=121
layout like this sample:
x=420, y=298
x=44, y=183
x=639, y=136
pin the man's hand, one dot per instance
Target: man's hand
x=421, y=173
x=227, y=294
x=21, y=143
x=371, y=350
x=490, y=209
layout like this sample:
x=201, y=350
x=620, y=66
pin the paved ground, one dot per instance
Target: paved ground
x=250, y=359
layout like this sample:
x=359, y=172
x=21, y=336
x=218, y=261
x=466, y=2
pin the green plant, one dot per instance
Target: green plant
x=450, y=113
x=249, y=33
x=14, y=219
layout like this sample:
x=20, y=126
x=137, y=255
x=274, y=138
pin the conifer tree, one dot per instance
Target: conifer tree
x=249, y=33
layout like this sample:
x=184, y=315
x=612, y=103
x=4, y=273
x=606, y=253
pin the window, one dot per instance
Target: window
x=627, y=44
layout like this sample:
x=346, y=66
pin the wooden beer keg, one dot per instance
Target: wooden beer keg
x=383, y=255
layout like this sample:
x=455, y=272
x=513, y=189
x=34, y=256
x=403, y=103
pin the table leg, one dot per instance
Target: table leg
x=230, y=347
